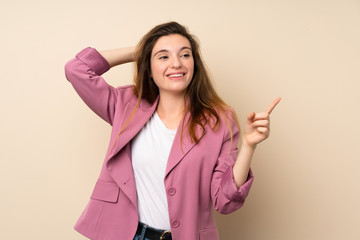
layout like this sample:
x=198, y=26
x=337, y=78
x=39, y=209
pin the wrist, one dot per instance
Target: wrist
x=247, y=146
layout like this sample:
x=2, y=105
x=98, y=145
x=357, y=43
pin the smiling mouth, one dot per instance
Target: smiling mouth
x=176, y=75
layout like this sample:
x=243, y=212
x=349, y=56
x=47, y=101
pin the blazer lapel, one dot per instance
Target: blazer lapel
x=141, y=116
x=121, y=168
x=179, y=150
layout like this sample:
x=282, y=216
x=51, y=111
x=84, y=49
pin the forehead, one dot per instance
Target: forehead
x=173, y=42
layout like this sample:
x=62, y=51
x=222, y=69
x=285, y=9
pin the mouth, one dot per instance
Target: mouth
x=175, y=75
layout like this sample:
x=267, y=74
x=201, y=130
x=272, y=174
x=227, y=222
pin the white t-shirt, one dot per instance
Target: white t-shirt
x=150, y=151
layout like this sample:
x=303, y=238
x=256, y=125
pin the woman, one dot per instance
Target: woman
x=173, y=153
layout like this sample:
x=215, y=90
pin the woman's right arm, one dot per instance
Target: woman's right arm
x=119, y=56
x=84, y=72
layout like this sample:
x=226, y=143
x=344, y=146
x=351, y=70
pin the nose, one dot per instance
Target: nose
x=176, y=62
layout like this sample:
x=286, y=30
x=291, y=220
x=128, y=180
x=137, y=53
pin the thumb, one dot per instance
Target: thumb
x=250, y=117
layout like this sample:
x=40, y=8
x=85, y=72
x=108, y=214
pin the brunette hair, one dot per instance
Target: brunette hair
x=204, y=103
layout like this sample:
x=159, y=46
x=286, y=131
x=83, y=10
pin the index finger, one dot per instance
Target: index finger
x=272, y=105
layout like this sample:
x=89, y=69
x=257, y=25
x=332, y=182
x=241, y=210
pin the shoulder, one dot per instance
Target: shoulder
x=227, y=119
x=126, y=92
x=226, y=128
x=126, y=96
x=126, y=89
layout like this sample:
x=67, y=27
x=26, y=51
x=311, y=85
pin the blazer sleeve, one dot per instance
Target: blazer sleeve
x=84, y=73
x=226, y=197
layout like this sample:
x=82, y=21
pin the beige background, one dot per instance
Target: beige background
x=306, y=51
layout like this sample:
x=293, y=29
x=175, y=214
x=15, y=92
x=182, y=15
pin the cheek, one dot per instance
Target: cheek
x=152, y=69
x=191, y=68
x=157, y=69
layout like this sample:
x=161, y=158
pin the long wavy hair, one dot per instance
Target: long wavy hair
x=204, y=103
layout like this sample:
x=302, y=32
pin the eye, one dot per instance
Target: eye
x=186, y=55
x=163, y=57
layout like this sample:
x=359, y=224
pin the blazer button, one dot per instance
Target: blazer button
x=175, y=223
x=171, y=191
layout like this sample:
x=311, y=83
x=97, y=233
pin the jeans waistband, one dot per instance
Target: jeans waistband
x=152, y=233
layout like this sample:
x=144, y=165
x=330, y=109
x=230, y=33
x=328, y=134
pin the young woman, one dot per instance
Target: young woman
x=173, y=154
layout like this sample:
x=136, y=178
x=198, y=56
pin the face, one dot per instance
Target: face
x=172, y=64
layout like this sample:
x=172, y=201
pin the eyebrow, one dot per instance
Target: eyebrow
x=165, y=50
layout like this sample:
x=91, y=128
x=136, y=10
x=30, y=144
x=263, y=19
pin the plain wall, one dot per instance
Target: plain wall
x=306, y=174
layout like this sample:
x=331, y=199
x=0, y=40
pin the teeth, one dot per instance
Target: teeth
x=176, y=75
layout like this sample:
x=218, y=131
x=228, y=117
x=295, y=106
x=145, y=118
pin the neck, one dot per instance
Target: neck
x=170, y=109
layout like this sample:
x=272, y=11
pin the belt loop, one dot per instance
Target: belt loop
x=143, y=231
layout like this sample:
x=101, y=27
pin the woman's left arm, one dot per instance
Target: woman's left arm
x=257, y=129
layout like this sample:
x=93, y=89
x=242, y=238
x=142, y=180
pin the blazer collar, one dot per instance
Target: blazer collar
x=141, y=116
x=121, y=169
x=182, y=145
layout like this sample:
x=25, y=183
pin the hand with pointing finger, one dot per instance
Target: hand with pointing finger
x=257, y=127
